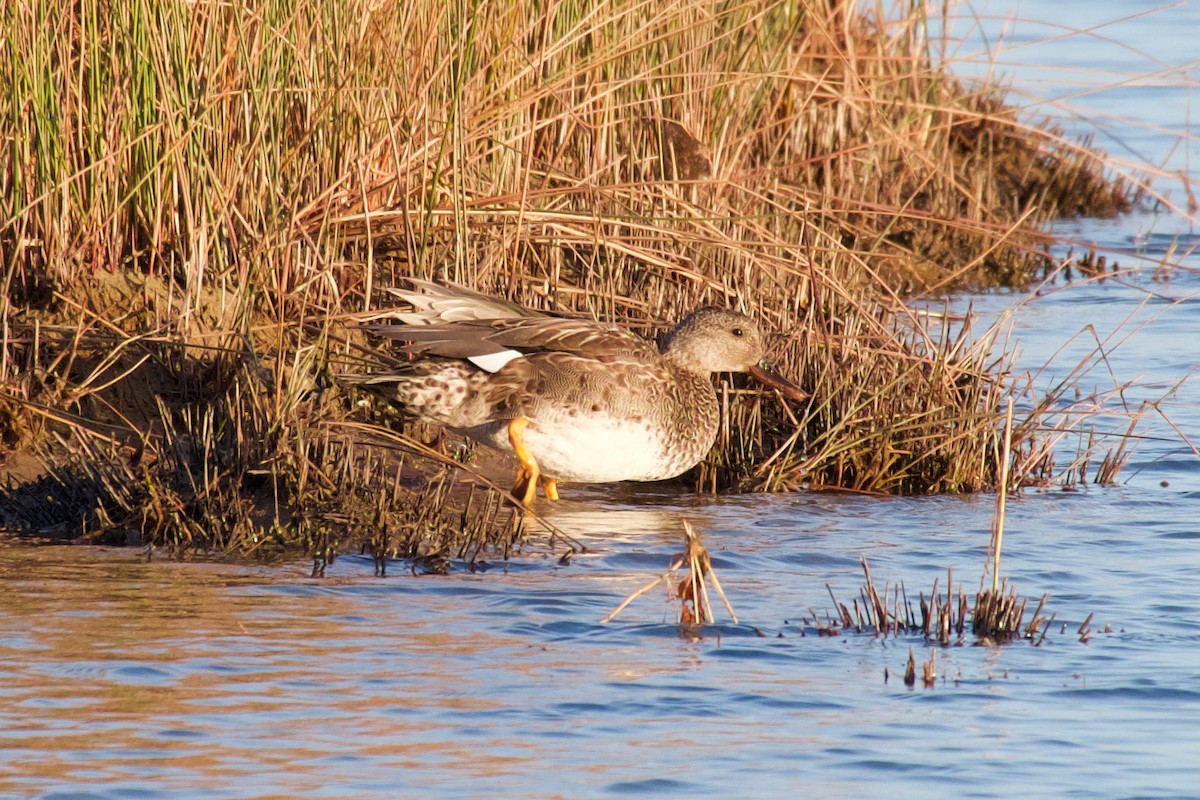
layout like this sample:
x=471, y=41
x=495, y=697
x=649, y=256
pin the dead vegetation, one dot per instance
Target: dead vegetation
x=182, y=249
x=945, y=618
x=691, y=590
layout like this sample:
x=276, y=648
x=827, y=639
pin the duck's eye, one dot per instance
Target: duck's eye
x=738, y=332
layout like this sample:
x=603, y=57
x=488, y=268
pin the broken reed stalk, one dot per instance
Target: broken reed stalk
x=998, y=613
x=1085, y=630
x=1001, y=498
x=693, y=589
x=929, y=672
x=695, y=606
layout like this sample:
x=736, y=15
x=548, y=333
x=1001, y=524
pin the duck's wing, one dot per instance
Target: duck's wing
x=452, y=322
x=466, y=340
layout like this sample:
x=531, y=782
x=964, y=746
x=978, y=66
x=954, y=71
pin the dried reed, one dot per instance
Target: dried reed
x=691, y=591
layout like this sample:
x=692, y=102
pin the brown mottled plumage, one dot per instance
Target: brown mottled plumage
x=576, y=400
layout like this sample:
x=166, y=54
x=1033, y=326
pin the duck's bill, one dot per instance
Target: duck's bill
x=768, y=377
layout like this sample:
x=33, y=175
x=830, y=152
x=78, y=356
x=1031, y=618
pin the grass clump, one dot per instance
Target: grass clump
x=197, y=198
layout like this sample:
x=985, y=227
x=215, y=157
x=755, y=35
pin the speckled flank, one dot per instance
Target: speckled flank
x=445, y=393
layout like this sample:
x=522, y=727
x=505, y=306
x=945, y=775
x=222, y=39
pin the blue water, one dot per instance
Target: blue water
x=122, y=679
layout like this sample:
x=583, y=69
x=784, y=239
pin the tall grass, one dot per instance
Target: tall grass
x=196, y=197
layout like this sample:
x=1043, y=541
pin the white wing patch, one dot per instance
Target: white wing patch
x=493, y=362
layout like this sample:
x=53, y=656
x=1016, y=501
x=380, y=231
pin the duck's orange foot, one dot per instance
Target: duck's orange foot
x=525, y=488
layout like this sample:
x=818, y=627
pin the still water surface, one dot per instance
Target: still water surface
x=122, y=679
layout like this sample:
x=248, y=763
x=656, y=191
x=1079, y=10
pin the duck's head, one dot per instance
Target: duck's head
x=715, y=340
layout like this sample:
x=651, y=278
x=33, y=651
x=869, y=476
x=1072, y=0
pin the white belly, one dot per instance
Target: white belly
x=590, y=449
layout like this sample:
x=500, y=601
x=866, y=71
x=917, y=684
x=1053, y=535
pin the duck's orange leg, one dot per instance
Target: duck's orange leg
x=525, y=488
x=550, y=487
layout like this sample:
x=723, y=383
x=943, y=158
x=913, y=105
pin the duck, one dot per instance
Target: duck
x=573, y=399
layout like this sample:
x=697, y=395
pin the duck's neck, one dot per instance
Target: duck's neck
x=682, y=357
